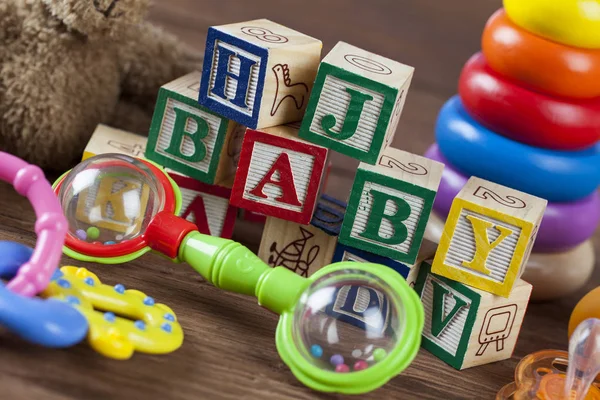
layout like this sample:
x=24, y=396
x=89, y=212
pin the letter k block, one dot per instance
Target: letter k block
x=488, y=236
x=390, y=205
x=356, y=102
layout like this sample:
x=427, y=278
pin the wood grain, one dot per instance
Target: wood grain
x=229, y=349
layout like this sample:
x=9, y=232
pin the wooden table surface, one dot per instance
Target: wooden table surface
x=229, y=348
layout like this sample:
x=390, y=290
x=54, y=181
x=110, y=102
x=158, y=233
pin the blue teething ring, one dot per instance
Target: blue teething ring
x=558, y=176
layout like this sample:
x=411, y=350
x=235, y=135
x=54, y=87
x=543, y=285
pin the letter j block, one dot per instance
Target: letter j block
x=356, y=102
x=488, y=236
x=390, y=205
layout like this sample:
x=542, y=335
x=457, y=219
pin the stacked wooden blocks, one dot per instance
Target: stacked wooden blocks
x=254, y=132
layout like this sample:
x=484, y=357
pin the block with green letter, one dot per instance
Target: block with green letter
x=466, y=327
x=190, y=139
x=356, y=102
x=390, y=205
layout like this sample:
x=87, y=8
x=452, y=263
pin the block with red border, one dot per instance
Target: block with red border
x=206, y=205
x=279, y=174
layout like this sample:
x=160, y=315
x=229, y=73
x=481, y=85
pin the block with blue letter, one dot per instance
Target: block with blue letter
x=258, y=73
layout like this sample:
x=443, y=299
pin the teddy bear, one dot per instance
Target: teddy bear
x=68, y=65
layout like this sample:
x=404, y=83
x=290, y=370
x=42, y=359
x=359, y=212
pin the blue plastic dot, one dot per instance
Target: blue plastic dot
x=89, y=281
x=149, y=301
x=141, y=325
x=316, y=350
x=119, y=288
x=169, y=317
x=63, y=283
x=110, y=317
x=166, y=327
x=57, y=274
x=81, y=234
x=73, y=300
x=109, y=243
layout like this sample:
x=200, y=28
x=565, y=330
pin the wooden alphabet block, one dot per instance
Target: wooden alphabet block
x=189, y=138
x=110, y=140
x=390, y=204
x=356, y=102
x=207, y=206
x=408, y=271
x=466, y=327
x=488, y=236
x=329, y=215
x=279, y=174
x=258, y=73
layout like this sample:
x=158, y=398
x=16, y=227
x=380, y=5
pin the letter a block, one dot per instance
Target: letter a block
x=488, y=236
x=466, y=327
x=390, y=205
x=356, y=102
x=278, y=174
x=258, y=73
x=190, y=139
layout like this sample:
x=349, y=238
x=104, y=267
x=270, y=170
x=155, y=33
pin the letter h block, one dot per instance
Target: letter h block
x=190, y=139
x=488, y=236
x=356, y=102
x=258, y=73
x=390, y=205
x=279, y=175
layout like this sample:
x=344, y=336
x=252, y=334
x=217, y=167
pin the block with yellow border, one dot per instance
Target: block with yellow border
x=488, y=236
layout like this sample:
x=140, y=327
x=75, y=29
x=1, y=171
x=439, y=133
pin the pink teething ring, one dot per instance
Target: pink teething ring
x=50, y=227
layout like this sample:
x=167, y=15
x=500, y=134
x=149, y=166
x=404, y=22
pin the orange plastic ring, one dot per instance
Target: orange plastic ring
x=538, y=63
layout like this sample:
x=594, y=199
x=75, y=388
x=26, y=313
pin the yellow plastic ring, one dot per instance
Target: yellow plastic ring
x=572, y=22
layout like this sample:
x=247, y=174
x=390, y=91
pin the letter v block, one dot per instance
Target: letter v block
x=258, y=73
x=190, y=139
x=279, y=175
x=466, y=327
x=356, y=102
x=488, y=236
x=390, y=205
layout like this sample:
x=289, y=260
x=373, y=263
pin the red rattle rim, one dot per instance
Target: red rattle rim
x=129, y=246
x=51, y=225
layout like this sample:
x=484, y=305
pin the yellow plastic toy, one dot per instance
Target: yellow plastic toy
x=120, y=321
x=571, y=22
x=588, y=307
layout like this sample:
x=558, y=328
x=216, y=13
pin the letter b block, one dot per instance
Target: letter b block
x=258, y=73
x=488, y=236
x=356, y=102
x=390, y=205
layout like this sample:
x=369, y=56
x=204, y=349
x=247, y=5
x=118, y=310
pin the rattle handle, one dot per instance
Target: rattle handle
x=230, y=266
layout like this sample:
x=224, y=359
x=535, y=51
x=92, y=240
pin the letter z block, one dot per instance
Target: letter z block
x=488, y=236
x=190, y=139
x=279, y=175
x=258, y=73
x=466, y=327
x=390, y=205
x=356, y=102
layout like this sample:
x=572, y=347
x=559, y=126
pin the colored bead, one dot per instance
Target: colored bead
x=379, y=354
x=565, y=225
x=570, y=22
x=316, y=350
x=166, y=327
x=109, y=243
x=518, y=54
x=93, y=233
x=89, y=281
x=587, y=307
x=73, y=300
x=119, y=288
x=119, y=237
x=110, y=317
x=553, y=175
x=97, y=242
x=63, y=283
x=525, y=115
x=336, y=359
x=169, y=317
x=81, y=234
x=356, y=353
x=149, y=301
x=342, y=368
x=141, y=325
x=360, y=365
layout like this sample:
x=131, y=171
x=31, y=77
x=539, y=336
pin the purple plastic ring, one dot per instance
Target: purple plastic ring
x=565, y=225
x=50, y=226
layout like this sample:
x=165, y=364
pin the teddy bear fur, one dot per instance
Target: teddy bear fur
x=68, y=65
